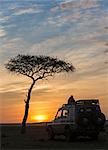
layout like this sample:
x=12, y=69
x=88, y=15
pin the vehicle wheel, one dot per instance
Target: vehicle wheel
x=102, y=119
x=50, y=133
x=94, y=136
x=67, y=134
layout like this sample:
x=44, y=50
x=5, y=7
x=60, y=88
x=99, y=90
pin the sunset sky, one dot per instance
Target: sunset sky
x=73, y=30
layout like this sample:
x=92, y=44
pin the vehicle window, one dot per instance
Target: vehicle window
x=59, y=114
x=65, y=113
x=88, y=109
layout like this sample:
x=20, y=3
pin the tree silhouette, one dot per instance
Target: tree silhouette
x=36, y=68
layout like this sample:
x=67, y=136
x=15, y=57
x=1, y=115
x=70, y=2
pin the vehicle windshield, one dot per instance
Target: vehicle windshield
x=59, y=113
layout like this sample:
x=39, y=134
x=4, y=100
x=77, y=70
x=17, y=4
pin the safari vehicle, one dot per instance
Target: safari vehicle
x=77, y=118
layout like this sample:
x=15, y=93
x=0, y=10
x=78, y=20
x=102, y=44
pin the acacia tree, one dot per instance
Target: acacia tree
x=36, y=68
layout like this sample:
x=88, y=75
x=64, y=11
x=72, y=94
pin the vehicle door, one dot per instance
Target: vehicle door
x=60, y=121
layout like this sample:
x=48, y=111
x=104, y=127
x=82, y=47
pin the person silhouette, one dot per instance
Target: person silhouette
x=71, y=100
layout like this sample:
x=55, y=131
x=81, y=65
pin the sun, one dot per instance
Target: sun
x=39, y=118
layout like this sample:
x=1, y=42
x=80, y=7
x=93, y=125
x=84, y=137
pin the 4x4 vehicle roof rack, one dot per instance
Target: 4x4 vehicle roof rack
x=88, y=102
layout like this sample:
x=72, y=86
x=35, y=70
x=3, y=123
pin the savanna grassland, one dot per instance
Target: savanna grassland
x=36, y=138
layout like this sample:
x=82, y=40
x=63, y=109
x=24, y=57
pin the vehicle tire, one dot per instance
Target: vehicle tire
x=67, y=134
x=102, y=116
x=82, y=120
x=100, y=121
x=94, y=136
x=50, y=133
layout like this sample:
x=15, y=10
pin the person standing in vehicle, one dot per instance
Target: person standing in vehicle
x=71, y=100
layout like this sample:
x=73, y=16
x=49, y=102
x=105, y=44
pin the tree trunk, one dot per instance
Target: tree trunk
x=23, y=128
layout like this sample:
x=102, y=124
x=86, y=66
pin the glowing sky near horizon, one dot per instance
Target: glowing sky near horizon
x=72, y=30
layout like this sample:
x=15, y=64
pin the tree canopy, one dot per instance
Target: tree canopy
x=38, y=67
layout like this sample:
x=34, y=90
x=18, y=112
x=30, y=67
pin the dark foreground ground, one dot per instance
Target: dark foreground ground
x=36, y=138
